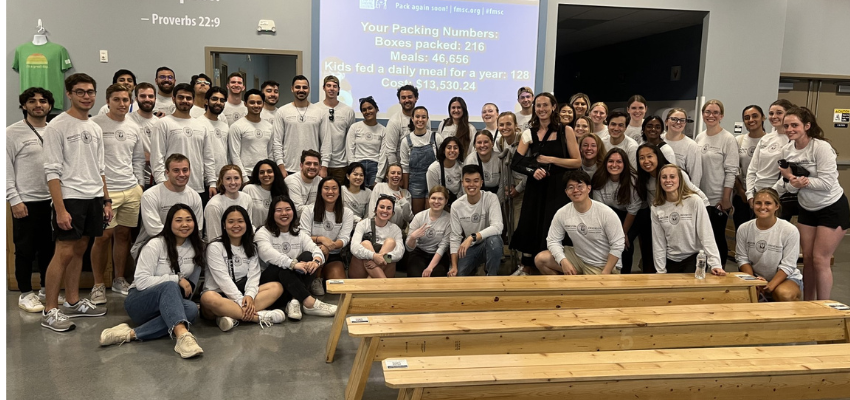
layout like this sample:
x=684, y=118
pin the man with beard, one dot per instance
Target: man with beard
x=146, y=97
x=397, y=127
x=271, y=90
x=215, y=99
x=339, y=118
x=234, y=108
x=26, y=192
x=299, y=126
x=303, y=186
x=180, y=133
x=249, y=138
x=164, y=80
x=201, y=84
x=128, y=79
x=73, y=163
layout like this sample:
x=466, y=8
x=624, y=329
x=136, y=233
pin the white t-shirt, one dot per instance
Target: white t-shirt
x=635, y=132
x=25, y=179
x=233, y=112
x=73, y=154
x=434, y=177
x=746, y=149
x=218, y=204
x=154, y=267
x=769, y=250
x=262, y=199
x=218, y=131
x=267, y=115
x=302, y=193
x=436, y=238
x=608, y=193
x=628, y=145
x=156, y=202
x=296, y=130
x=397, y=127
x=523, y=121
x=282, y=249
x=357, y=203
x=403, y=213
x=382, y=233
x=145, y=124
x=720, y=156
x=818, y=157
x=329, y=228
x=189, y=137
x=492, y=172
x=248, y=143
x=196, y=111
x=483, y=217
x=688, y=156
x=364, y=142
x=124, y=153
x=595, y=234
x=164, y=104
x=222, y=274
x=337, y=129
x=680, y=231
x=763, y=170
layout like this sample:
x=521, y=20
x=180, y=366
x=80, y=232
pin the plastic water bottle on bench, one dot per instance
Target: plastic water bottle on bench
x=701, y=264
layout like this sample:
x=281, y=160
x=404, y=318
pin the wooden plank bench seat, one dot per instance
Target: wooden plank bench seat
x=590, y=330
x=509, y=293
x=771, y=372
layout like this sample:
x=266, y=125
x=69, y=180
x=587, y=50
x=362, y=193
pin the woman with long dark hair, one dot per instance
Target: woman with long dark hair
x=167, y=271
x=266, y=184
x=365, y=140
x=292, y=260
x=377, y=244
x=328, y=224
x=485, y=157
x=355, y=194
x=552, y=150
x=457, y=124
x=232, y=289
x=445, y=171
x=753, y=117
x=614, y=185
x=417, y=150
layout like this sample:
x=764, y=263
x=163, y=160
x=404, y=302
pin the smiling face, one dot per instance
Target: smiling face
x=235, y=85
x=369, y=111
x=647, y=159
x=452, y=151
x=266, y=176
x=776, y=115
x=525, y=100
x=472, y=184
x=331, y=90
x=407, y=100
x=753, y=119
x=637, y=111
x=384, y=210
x=507, y=126
x=128, y=81
x=566, y=115
x=765, y=206
x=577, y=191
x=215, y=104
x=653, y=130
x=483, y=145
x=420, y=119
x=182, y=225
x=232, y=181
x=183, y=100
x=489, y=113
x=582, y=127
x=119, y=102
x=254, y=104
x=676, y=122
x=394, y=176
x=310, y=167
x=794, y=127
x=615, y=164
x=544, y=108
x=437, y=201
x=235, y=225
x=356, y=177
x=165, y=81
x=588, y=149
x=616, y=127
x=669, y=178
x=456, y=110
x=36, y=106
x=146, y=99
x=598, y=115
x=272, y=93
x=330, y=192
x=283, y=215
x=83, y=101
x=178, y=174
x=712, y=115
x=301, y=89
x=580, y=105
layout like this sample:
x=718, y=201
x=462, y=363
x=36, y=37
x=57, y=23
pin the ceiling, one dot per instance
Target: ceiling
x=586, y=27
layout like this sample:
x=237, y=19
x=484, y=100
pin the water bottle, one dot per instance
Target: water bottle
x=701, y=264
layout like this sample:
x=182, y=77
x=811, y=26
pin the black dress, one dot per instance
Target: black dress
x=543, y=198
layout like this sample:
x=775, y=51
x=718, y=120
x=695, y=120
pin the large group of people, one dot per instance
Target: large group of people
x=217, y=187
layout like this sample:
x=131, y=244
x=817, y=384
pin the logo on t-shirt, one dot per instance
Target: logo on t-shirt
x=475, y=218
x=285, y=247
x=368, y=135
x=328, y=225
x=86, y=137
x=430, y=233
x=487, y=176
x=119, y=134
x=674, y=218
x=751, y=150
x=582, y=229
x=237, y=261
x=259, y=133
x=148, y=132
x=187, y=131
x=705, y=148
x=267, y=203
x=773, y=147
x=217, y=132
x=761, y=246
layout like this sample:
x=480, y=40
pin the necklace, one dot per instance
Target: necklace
x=301, y=116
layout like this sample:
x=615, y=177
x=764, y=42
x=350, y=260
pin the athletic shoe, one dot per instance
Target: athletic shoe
x=30, y=303
x=83, y=308
x=321, y=309
x=54, y=319
x=293, y=310
x=98, y=294
x=116, y=335
x=519, y=271
x=42, y=296
x=226, y=323
x=120, y=285
x=268, y=318
x=187, y=346
x=317, y=287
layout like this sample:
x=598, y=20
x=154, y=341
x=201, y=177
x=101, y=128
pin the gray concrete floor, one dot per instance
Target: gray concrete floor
x=282, y=361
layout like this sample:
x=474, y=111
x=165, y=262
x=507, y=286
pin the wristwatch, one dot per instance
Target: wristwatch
x=107, y=201
x=474, y=237
x=292, y=264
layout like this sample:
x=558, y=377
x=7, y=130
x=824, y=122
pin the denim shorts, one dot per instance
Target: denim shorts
x=418, y=186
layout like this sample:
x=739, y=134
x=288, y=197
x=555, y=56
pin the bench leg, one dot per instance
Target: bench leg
x=754, y=295
x=410, y=394
x=336, y=328
x=361, y=368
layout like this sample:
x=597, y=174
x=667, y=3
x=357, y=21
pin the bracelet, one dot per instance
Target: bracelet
x=107, y=201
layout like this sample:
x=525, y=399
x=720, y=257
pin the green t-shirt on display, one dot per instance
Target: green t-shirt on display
x=43, y=66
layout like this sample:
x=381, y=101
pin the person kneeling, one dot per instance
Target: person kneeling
x=292, y=259
x=594, y=229
x=232, y=290
x=376, y=245
x=476, y=220
x=767, y=248
x=159, y=300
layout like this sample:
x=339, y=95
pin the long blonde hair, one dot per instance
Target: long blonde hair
x=682, y=191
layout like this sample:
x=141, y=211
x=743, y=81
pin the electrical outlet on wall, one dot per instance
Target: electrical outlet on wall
x=104, y=56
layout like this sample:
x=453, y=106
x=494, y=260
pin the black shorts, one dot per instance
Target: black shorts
x=334, y=258
x=831, y=216
x=86, y=219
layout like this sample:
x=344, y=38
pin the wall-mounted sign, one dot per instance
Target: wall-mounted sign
x=841, y=115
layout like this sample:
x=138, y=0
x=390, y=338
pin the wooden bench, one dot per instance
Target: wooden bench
x=513, y=293
x=546, y=331
x=772, y=372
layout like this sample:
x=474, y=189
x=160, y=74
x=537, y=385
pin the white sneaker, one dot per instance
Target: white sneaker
x=293, y=309
x=226, y=323
x=270, y=317
x=519, y=271
x=30, y=303
x=187, y=346
x=120, y=285
x=42, y=296
x=119, y=335
x=98, y=294
x=317, y=287
x=321, y=309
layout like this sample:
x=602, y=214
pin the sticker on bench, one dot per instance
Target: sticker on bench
x=358, y=320
x=396, y=364
x=839, y=306
x=747, y=277
x=336, y=281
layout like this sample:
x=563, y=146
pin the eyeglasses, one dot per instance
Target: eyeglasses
x=678, y=120
x=579, y=186
x=714, y=113
x=81, y=92
x=331, y=116
x=165, y=78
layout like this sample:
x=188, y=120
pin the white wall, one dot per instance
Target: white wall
x=86, y=26
x=734, y=70
x=816, y=37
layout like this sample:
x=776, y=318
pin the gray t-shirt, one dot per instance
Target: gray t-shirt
x=25, y=179
x=595, y=234
x=769, y=250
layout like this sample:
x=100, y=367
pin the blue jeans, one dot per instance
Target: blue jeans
x=490, y=253
x=157, y=310
x=370, y=169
